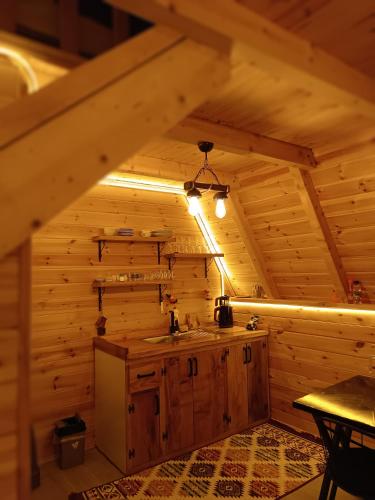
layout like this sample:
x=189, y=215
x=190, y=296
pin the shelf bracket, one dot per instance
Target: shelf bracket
x=171, y=262
x=207, y=265
x=159, y=253
x=100, y=298
x=101, y=245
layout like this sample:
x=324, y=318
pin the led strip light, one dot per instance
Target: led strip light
x=162, y=187
x=294, y=307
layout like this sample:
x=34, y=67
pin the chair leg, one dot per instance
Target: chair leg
x=324, y=490
x=332, y=495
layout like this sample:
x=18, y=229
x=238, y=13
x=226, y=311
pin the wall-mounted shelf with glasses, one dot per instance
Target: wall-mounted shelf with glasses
x=141, y=279
x=172, y=257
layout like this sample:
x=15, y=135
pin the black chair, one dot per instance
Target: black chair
x=350, y=464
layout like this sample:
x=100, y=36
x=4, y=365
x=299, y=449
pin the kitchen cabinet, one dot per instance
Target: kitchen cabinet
x=237, y=387
x=143, y=428
x=247, y=380
x=209, y=394
x=179, y=403
x=185, y=397
x=145, y=396
x=195, y=398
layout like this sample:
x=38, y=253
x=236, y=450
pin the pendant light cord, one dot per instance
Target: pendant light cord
x=206, y=168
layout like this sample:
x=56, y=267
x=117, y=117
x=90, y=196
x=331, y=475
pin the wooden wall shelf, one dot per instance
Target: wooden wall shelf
x=123, y=284
x=178, y=255
x=100, y=286
x=103, y=239
x=172, y=257
x=143, y=239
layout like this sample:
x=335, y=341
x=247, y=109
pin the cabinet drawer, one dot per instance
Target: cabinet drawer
x=145, y=376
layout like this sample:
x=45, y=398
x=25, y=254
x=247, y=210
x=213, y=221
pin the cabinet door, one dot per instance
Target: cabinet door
x=258, y=380
x=143, y=428
x=209, y=394
x=179, y=403
x=237, y=387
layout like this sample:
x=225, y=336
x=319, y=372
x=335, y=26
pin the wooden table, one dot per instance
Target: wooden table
x=350, y=405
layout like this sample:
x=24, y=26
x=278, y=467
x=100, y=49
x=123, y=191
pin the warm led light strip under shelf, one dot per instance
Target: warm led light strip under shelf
x=341, y=310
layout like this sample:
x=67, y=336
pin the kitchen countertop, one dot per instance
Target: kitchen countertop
x=121, y=346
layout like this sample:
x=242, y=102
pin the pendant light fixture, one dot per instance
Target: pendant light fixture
x=193, y=188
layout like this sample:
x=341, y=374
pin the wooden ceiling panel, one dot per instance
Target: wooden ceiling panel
x=257, y=102
x=343, y=28
x=170, y=150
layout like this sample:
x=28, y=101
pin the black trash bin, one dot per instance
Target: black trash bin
x=70, y=441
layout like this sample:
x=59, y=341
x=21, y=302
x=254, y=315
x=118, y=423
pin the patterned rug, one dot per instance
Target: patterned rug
x=265, y=462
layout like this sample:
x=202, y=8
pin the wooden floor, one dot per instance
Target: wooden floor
x=56, y=484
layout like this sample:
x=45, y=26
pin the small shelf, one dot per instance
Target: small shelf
x=123, y=284
x=143, y=239
x=178, y=255
x=103, y=239
x=172, y=257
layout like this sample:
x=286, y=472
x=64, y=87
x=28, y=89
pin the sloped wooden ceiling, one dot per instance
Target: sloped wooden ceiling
x=342, y=27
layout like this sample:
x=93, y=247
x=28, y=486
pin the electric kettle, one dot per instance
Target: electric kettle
x=223, y=313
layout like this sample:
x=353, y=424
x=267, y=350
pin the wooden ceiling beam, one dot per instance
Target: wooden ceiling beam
x=319, y=224
x=252, y=246
x=56, y=143
x=229, y=139
x=264, y=44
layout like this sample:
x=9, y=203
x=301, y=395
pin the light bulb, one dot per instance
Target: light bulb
x=194, y=206
x=220, y=210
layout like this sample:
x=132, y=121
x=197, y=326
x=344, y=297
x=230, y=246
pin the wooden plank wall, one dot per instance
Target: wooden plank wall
x=282, y=230
x=310, y=350
x=65, y=262
x=243, y=276
x=345, y=183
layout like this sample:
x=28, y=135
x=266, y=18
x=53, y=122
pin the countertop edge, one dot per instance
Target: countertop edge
x=111, y=348
x=118, y=348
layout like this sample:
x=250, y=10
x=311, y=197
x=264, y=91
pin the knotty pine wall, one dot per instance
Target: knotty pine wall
x=309, y=351
x=242, y=275
x=65, y=262
x=345, y=183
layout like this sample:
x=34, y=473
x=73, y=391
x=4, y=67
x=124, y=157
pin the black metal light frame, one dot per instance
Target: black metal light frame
x=206, y=147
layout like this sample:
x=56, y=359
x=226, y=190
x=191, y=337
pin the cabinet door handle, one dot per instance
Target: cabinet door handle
x=196, y=367
x=249, y=354
x=145, y=375
x=244, y=349
x=157, y=404
x=190, y=367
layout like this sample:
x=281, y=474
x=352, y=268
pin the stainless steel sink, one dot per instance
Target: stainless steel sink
x=170, y=339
